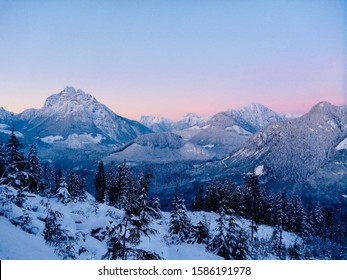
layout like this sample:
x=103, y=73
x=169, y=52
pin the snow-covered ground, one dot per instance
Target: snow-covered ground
x=81, y=218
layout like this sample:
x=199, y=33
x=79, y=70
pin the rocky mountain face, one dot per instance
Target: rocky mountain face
x=73, y=114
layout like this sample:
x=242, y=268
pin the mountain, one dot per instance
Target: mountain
x=226, y=131
x=74, y=118
x=5, y=115
x=297, y=155
x=159, y=147
x=156, y=124
x=188, y=121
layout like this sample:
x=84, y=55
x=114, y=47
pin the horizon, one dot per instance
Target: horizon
x=169, y=59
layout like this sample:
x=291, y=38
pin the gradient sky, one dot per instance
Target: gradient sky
x=168, y=58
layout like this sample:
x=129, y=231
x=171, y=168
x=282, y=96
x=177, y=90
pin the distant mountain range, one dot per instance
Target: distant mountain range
x=306, y=154
x=73, y=121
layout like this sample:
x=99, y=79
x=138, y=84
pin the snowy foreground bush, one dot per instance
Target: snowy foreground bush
x=50, y=228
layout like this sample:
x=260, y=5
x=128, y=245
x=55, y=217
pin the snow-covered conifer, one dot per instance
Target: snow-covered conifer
x=63, y=194
x=63, y=243
x=180, y=225
x=34, y=169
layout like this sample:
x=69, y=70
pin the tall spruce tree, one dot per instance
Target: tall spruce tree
x=230, y=242
x=254, y=199
x=63, y=194
x=198, y=204
x=34, y=169
x=15, y=170
x=73, y=186
x=180, y=225
x=100, y=183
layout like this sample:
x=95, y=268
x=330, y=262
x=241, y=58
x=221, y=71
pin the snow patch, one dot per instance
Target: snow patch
x=206, y=126
x=259, y=170
x=208, y=146
x=4, y=128
x=52, y=139
x=78, y=141
x=342, y=145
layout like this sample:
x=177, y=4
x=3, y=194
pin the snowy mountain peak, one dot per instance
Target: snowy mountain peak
x=258, y=115
x=157, y=124
x=69, y=99
x=323, y=107
x=4, y=114
x=73, y=112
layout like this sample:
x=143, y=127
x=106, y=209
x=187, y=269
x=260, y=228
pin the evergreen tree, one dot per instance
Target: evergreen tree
x=120, y=193
x=34, y=169
x=48, y=184
x=200, y=233
x=157, y=208
x=142, y=209
x=55, y=236
x=124, y=238
x=111, y=192
x=3, y=162
x=63, y=194
x=220, y=243
x=277, y=243
x=100, y=183
x=180, y=225
x=15, y=169
x=198, y=204
x=254, y=199
x=278, y=221
x=76, y=187
x=211, y=203
x=295, y=214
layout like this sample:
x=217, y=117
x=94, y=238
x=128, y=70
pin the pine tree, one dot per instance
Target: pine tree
x=15, y=169
x=76, y=187
x=63, y=243
x=111, y=192
x=198, y=204
x=253, y=189
x=34, y=169
x=100, y=183
x=143, y=209
x=124, y=238
x=200, y=233
x=121, y=192
x=220, y=244
x=277, y=243
x=211, y=203
x=180, y=225
x=157, y=208
x=3, y=162
x=295, y=214
x=278, y=221
x=48, y=185
x=63, y=194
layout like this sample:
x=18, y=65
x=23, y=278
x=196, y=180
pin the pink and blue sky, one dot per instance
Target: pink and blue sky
x=168, y=58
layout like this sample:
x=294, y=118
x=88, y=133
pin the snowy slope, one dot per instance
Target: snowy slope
x=159, y=147
x=81, y=218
